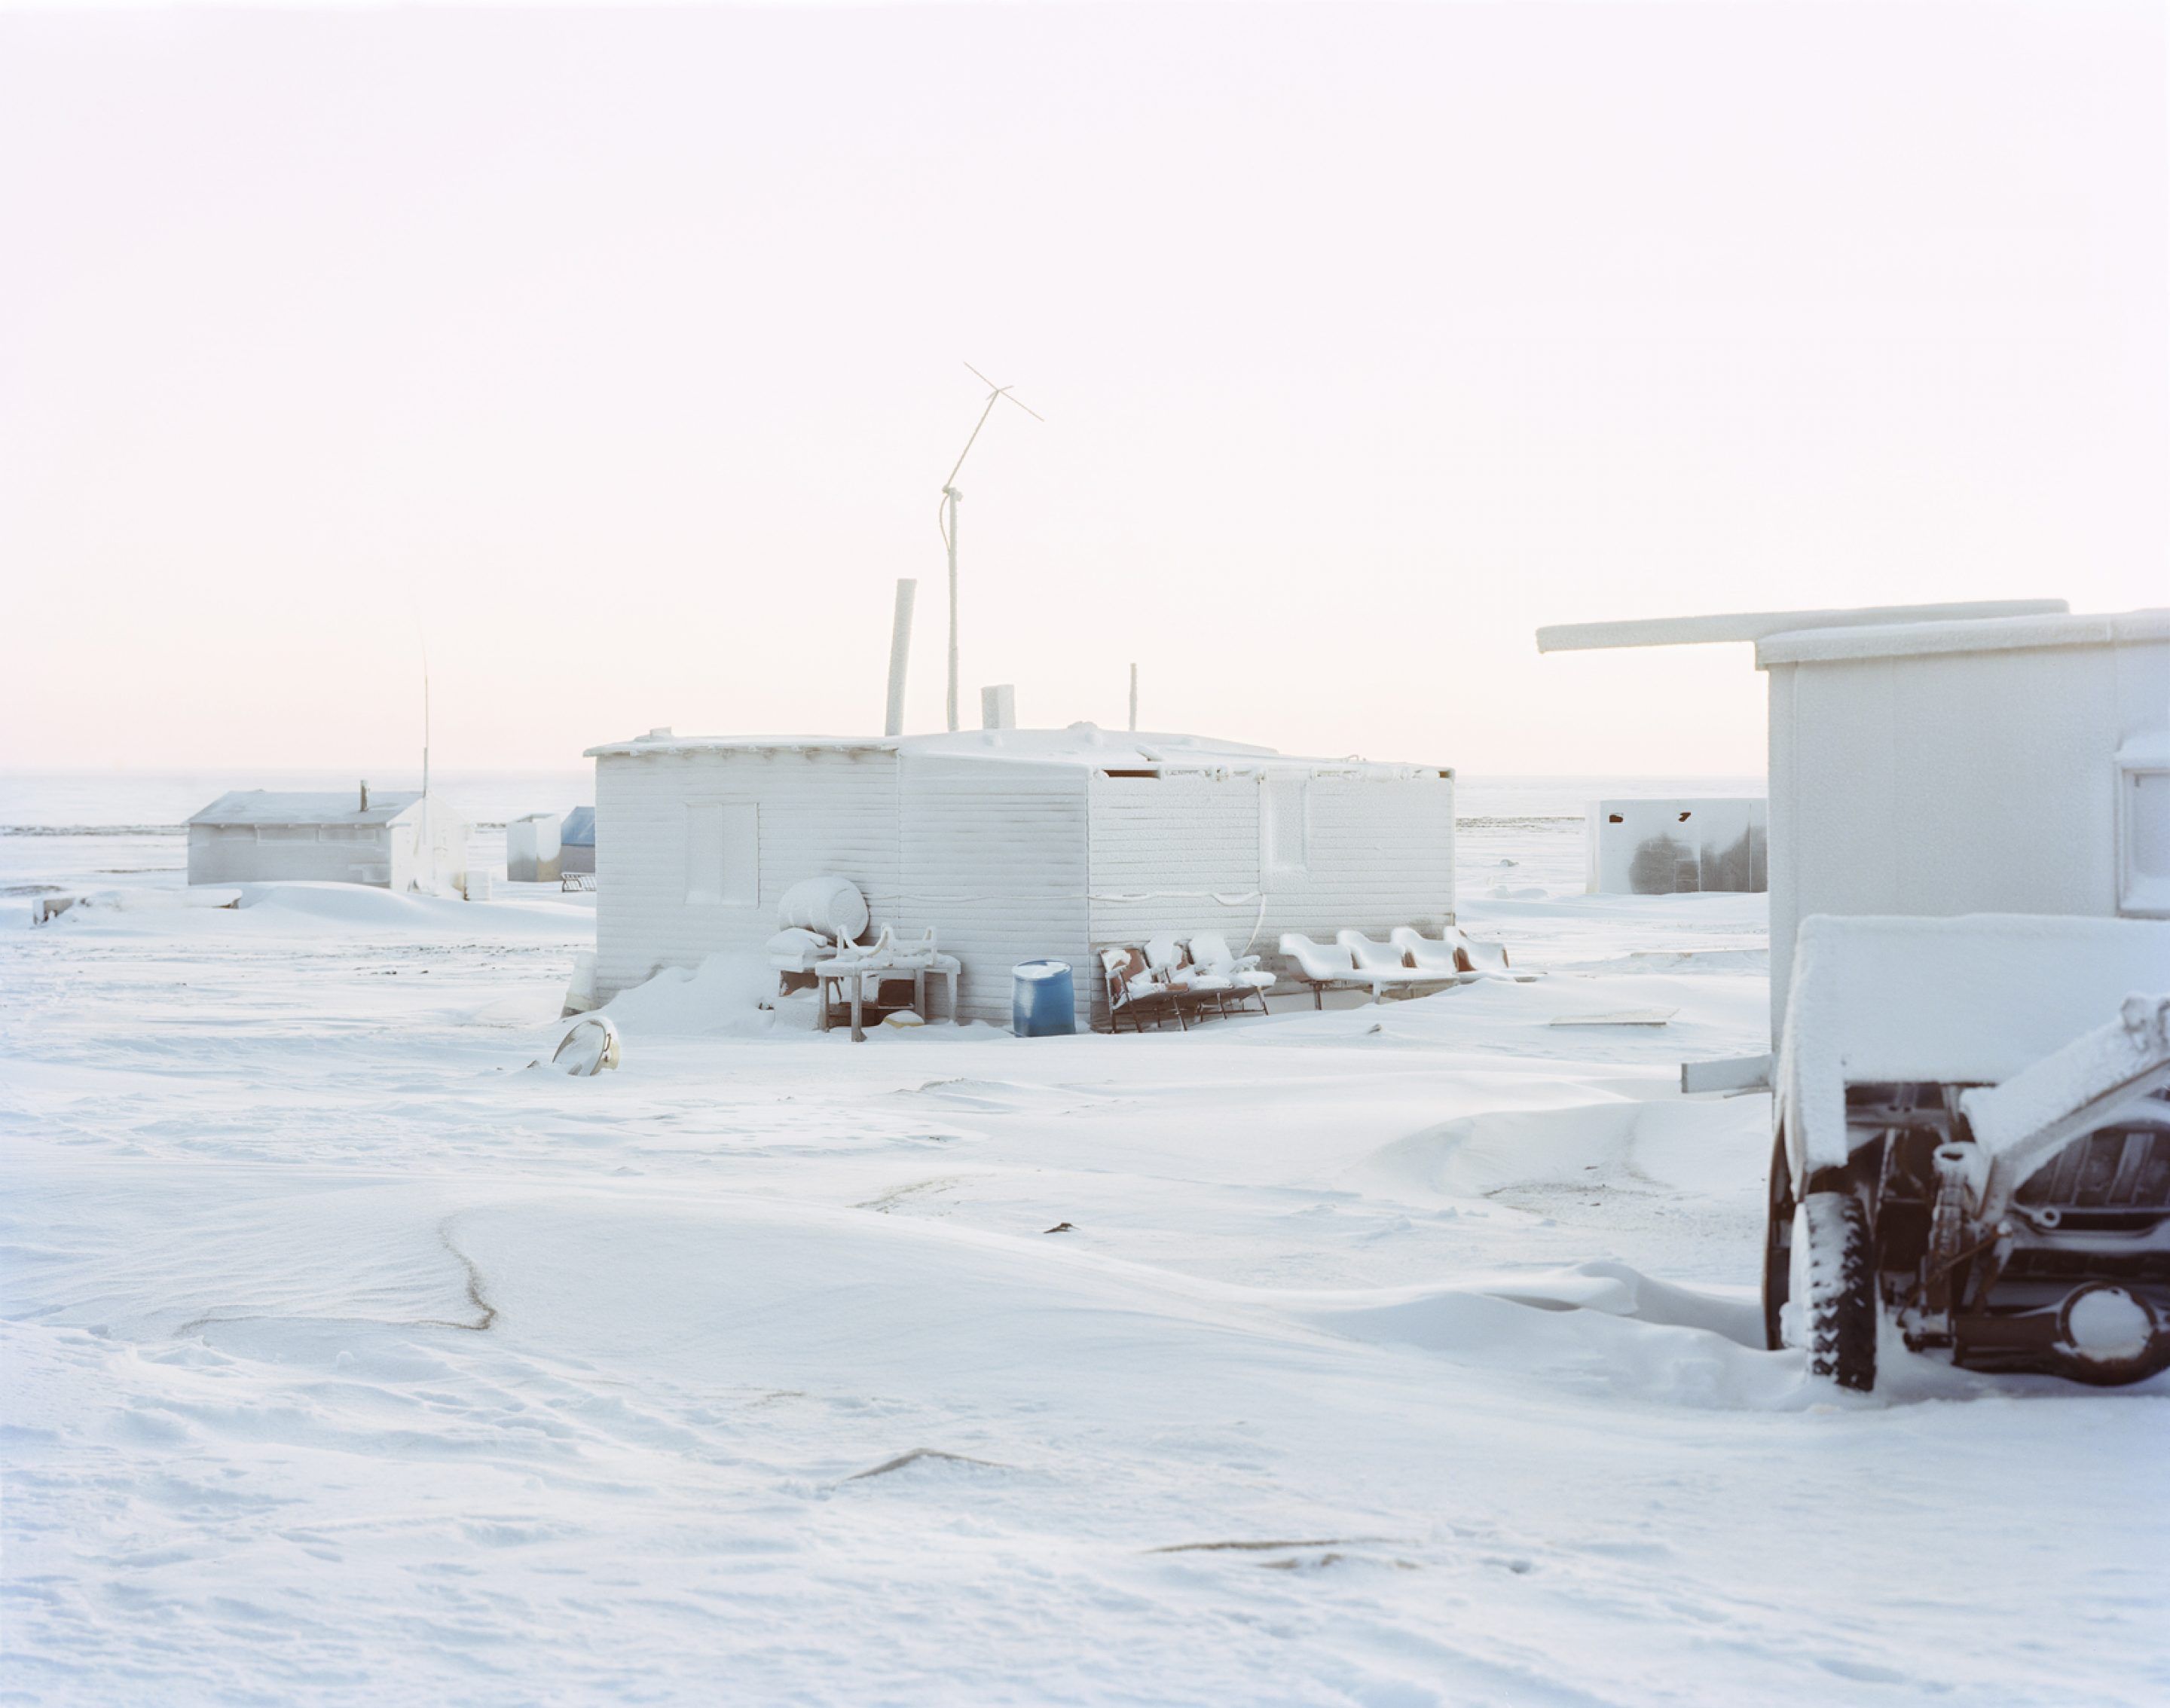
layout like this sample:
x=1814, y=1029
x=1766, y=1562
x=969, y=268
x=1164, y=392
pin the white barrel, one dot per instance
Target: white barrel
x=831, y=906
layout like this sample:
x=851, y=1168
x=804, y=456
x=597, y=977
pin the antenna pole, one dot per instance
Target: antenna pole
x=1134, y=699
x=949, y=497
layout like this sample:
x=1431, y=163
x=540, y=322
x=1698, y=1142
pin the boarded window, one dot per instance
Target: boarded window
x=723, y=853
x=1284, y=825
x=2144, y=858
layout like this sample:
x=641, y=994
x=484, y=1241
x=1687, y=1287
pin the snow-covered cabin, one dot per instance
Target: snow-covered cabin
x=2009, y=758
x=393, y=840
x=1014, y=844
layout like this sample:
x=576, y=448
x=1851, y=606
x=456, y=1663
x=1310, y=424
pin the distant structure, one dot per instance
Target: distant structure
x=531, y=849
x=1934, y=760
x=1668, y=847
x=1013, y=845
x=392, y=840
x=576, y=842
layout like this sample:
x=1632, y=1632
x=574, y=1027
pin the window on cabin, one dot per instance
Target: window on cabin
x=722, y=854
x=1284, y=826
x=2144, y=841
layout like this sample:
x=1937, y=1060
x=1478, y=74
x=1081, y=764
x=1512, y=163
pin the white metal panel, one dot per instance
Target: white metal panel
x=825, y=809
x=1942, y=783
x=994, y=857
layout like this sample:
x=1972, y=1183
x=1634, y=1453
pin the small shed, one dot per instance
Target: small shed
x=2009, y=758
x=1013, y=845
x=392, y=840
x=1668, y=847
x=531, y=854
x=576, y=840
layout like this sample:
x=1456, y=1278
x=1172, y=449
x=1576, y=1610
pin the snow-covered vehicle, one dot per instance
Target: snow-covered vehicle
x=1973, y=1146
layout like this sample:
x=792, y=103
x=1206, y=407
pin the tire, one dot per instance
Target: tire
x=1841, y=1288
x=1778, y=1248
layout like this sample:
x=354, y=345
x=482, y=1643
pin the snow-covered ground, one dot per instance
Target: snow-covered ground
x=1391, y=1355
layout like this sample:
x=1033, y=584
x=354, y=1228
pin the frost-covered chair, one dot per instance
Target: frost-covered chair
x=1387, y=965
x=1241, y=975
x=1440, y=956
x=1170, y=957
x=1136, y=990
x=1323, y=966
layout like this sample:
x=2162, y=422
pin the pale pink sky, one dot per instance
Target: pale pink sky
x=623, y=346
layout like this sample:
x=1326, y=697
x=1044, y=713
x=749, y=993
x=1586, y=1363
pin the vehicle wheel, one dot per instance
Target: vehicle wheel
x=1777, y=1247
x=1839, y=1287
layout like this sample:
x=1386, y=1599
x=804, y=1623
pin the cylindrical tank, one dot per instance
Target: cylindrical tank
x=1043, y=999
x=830, y=905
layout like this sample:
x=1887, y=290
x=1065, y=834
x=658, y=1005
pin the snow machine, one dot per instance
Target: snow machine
x=1973, y=1146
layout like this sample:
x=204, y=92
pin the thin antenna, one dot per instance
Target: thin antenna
x=948, y=511
x=425, y=721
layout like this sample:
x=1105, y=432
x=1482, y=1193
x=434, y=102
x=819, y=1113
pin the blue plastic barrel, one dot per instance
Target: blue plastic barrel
x=1043, y=1001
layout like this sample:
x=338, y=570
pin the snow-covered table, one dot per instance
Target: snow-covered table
x=857, y=972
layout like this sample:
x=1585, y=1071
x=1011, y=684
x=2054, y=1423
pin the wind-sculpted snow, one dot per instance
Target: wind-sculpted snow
x=1395, y=1355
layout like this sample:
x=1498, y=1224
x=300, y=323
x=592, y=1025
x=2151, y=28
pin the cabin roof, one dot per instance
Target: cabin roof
x=281, y=807
x=1759, y=625
x=1986, y=635
x=1085, y=745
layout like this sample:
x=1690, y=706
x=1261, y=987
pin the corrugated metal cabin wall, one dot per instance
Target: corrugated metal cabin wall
x=1163, y=848
x=821, y=810
x=1380, y=854
x=995, y=859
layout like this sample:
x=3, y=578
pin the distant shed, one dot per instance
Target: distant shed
x=391, y=840
x=1668, y=847
x=576, y=840
x=1012, y=844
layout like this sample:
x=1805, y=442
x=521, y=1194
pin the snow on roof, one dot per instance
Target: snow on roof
x=1083, y=744
x=1973, y=998
x=1758, y=625
x=1807, y=646
x=1968, y=1001
x=274, y=807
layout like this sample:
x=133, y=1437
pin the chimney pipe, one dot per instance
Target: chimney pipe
x=899, y=655
x=365, y=794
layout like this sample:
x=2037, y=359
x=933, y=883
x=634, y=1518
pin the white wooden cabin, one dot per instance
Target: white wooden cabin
x=1013, y=845
x=391, y=840
x=2009, y=758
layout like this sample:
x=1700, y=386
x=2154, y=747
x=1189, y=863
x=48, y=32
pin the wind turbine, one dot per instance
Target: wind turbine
x=949, y=513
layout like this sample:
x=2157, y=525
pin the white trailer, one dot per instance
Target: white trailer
x=2009, y=758
x=1013, y=845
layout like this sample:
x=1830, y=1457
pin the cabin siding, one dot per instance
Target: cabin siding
x=994, y=857
x=1184, y=852
x=817, y=812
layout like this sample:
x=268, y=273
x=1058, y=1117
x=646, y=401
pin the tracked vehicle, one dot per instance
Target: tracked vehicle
x=1972, y=1148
